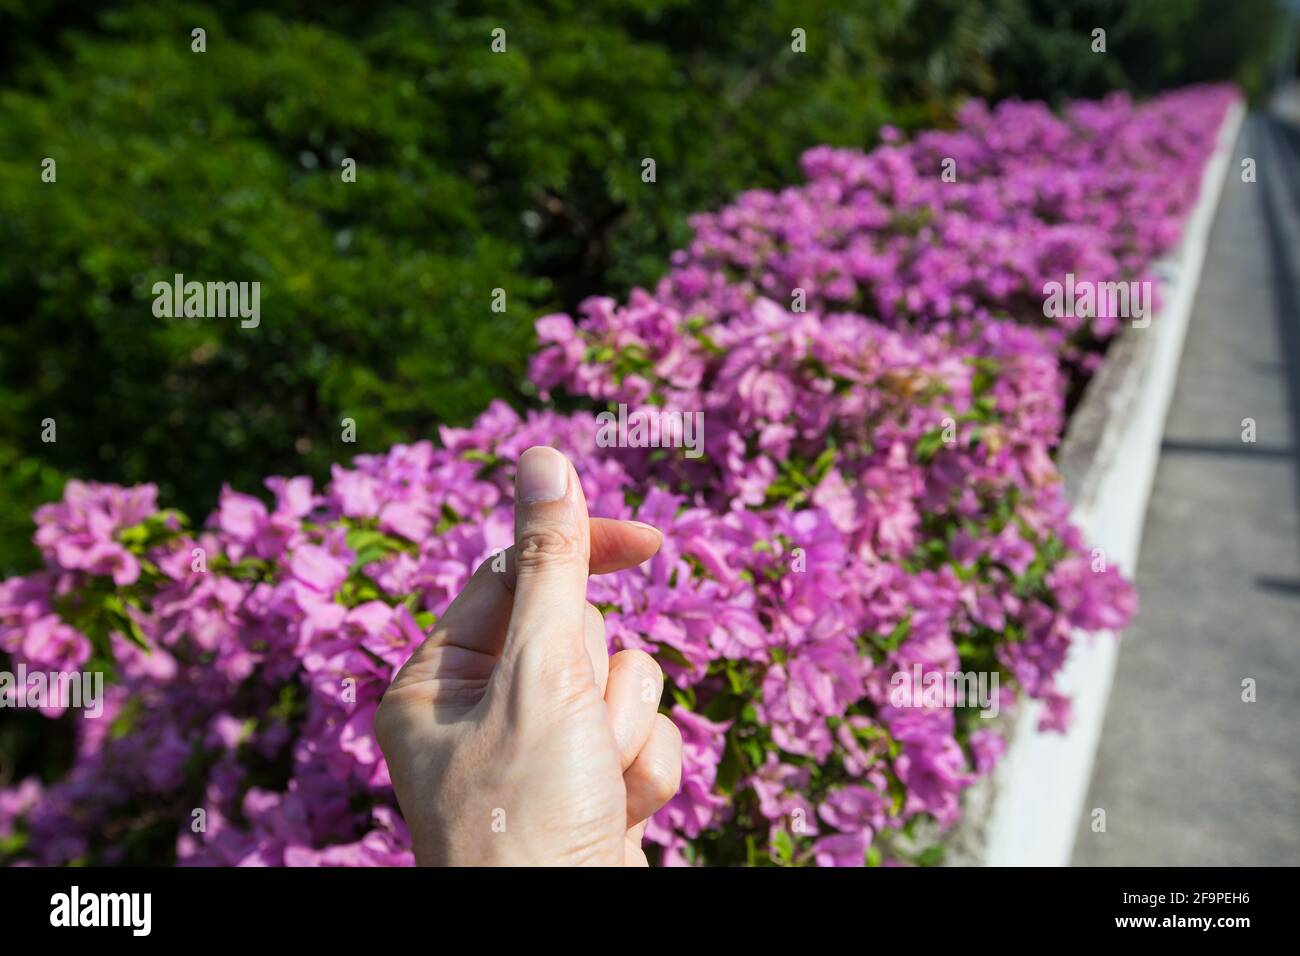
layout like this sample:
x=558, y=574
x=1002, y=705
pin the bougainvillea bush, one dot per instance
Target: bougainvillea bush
x=877, y=496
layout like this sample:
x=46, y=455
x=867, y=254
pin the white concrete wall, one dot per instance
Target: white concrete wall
x=1040, y=788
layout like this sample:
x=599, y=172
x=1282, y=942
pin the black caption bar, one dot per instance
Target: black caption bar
x=129, y=906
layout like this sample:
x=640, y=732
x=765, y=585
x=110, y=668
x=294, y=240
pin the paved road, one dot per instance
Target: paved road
x=1187, y=772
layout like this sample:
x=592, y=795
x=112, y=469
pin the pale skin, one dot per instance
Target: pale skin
x=511, y=735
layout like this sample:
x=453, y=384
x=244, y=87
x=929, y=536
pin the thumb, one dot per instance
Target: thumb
x=552, y=557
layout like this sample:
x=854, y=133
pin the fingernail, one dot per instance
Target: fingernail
x=543, y=475
x=648, y=527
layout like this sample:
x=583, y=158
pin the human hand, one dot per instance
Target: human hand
x=512, y=737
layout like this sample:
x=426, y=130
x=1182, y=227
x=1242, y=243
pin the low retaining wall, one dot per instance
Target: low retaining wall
x=1028, y=811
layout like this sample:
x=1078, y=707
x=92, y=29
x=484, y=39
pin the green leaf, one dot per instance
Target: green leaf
x=122, y=621
x=674, y=655
x=369, y=546
x=730, y=767
x=932, y=856
x=784, y=847
x=928, y=445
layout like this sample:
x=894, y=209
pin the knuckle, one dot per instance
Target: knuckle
x=664, y=782
x=664, y=777
x=545, y=545
x=673, y=733
x=385, y=724
x=641, y=664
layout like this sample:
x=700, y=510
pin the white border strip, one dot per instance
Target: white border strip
x=1042, y=783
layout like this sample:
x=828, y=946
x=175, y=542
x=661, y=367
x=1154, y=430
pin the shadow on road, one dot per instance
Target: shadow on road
x=1284, y=587
x=1281, y=176
x=1177, y=447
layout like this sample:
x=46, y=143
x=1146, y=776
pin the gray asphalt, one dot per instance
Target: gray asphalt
x=1188, y=773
